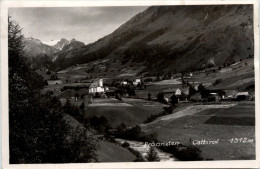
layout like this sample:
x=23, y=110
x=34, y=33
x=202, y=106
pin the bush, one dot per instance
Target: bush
x=118, y=96
x=125, y=145
x=184, y=153
x=139, y=157
x=152, y=155
x=97, y=95
x=148, y=80
x=100, y=124
x=218, y=81
x=189, y=153
x=160, y=98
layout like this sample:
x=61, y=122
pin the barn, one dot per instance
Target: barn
x=243, y=96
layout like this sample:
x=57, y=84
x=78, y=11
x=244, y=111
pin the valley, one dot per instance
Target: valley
x=197, y=119
x=171, y=73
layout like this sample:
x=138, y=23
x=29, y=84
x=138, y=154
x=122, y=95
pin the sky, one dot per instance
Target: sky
x=86, y=24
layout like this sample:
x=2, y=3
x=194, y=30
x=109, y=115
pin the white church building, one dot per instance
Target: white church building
x=97, y=87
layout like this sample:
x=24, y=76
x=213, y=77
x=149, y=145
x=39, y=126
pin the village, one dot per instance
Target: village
x=200, y=86
x=106, y=89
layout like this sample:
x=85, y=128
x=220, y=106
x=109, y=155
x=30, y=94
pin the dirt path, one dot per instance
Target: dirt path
x=110, y=104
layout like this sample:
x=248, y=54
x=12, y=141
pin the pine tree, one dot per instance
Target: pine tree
x=36, y=127
x=152, y=155
x=82, y=106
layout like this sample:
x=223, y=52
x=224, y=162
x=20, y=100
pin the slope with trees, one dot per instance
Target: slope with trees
x=37, y=131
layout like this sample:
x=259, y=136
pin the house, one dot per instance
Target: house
x=212, y=97
x=169, y=92
x=243, y=96
x=213, y=94
x=178, y=92
x=124, y=83
x=97, y=87
x=54, y=82
x=230, y=95
x=137, y=81
x=182, y=96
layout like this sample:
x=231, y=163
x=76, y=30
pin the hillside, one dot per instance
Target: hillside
x=165, y=38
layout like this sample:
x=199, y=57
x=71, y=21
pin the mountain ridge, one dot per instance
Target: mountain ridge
x=165, y=37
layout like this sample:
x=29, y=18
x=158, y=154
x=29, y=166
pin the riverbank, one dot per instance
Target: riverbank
x=143, y=149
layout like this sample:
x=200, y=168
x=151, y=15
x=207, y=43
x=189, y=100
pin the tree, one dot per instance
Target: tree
x=192, y=91
x=125, y=145
x=19, y=68
x=174, y=99
x=160, y=98
x=36, y=127
x=82, y=106
x=152, y=155
x=149, y=96
x=76, y=95
x=217, y=81
x=201, y=88
x=121, y=128
x=118, y=96
x=189, y=153
x=70, y=109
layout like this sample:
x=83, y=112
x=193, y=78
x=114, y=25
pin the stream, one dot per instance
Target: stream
x=144, y=149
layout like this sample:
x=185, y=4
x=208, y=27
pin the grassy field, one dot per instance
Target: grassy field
x=109, y=152
x=239, y=115
x=138, y=111
x=194, y=127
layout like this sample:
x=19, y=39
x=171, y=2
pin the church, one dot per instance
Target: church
x=97, y=87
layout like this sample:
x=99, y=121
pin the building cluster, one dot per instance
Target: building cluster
x=207, y=95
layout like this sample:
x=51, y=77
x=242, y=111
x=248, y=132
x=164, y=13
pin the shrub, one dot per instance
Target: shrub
x=189, y=153
x=160, y=98
x=184, y=153
x=218, y=81
x=152, y=155
x=100, y=124
x=125, y=145
x=148, y=80
x=118, y=96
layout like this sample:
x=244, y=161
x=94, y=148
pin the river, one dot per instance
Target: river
x=143, y=149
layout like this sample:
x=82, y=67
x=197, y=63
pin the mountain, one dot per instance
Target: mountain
x=174, y=39
x=73, y=44
x=67, y=47
x=34, y=47
x=60, y=44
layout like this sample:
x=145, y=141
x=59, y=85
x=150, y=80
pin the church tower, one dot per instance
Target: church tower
x=100, y=82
